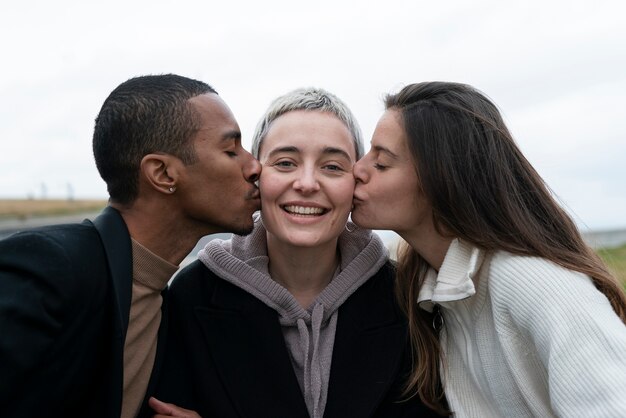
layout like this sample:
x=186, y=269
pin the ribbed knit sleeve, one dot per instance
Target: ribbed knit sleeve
x=578, y=337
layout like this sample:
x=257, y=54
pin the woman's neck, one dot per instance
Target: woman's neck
x=303, y=271
x=429, y=244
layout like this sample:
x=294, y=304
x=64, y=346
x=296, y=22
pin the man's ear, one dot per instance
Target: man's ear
x=160, y=171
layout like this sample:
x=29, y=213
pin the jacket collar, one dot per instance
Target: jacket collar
x=117, y=246
x=245, y=340
x=456, y=278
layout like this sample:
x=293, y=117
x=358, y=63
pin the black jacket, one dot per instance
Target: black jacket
x=65, y=293
x=226, y=355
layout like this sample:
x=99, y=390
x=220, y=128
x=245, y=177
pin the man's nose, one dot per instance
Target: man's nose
x=252, y=169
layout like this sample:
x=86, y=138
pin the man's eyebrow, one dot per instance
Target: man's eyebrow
x=387, y=151
x=227, y=136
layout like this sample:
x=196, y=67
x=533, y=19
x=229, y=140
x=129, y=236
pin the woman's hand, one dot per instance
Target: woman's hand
x=163, y=410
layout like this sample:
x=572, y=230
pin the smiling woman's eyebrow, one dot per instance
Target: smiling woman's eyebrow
x=286, y=149
x=294, y=150
x=333, y=150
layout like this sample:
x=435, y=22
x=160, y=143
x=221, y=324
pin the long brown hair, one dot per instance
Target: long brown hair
x=482, y=190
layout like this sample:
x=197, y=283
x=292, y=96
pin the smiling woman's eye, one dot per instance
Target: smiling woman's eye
x=283, y=164
x=333, y=167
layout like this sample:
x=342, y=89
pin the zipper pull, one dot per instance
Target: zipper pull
x=437, y=318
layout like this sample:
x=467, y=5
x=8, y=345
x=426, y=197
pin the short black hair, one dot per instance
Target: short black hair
x=143, y=115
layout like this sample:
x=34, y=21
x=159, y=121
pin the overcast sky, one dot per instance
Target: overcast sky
x=556, y=69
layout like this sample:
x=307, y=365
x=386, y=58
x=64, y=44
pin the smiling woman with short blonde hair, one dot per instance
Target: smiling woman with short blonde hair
x=298, y=319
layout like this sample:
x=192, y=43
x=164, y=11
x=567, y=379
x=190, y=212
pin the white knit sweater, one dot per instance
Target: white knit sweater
x=524, y=337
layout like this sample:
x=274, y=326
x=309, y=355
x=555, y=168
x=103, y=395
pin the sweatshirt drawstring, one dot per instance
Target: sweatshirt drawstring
x=316, y=372
x=313, y=368
x=304, y=349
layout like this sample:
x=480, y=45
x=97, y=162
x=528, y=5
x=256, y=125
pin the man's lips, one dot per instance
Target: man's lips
x=253, y=194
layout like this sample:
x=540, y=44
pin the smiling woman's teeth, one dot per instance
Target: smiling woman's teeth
x=302, y=210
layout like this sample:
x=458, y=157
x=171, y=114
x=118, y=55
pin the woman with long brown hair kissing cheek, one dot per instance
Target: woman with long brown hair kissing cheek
x=510, y=312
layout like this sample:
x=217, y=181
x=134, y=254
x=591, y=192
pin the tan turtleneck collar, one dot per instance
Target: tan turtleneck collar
x=151, y=274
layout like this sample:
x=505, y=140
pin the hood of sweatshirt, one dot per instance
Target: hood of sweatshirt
x=243, y=261
x=309, y=333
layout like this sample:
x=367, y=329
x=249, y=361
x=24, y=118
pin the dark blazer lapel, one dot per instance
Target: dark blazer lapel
x=116, y=242
x=247, y=346
x=369, y=343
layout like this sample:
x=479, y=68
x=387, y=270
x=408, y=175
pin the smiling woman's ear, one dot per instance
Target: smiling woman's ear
x=160, y=171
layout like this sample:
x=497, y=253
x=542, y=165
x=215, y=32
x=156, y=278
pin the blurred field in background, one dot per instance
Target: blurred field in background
x=615, y=258
x=27, y=208
x=24, y=209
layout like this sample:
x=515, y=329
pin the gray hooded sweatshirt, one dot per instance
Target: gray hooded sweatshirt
x=309, y=333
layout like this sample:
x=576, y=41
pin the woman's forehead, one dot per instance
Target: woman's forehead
x=308, y=131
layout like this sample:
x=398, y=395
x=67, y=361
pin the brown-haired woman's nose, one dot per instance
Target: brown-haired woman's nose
x=359, y=172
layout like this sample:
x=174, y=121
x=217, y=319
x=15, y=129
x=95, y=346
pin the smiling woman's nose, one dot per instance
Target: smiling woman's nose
x=307, y=182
